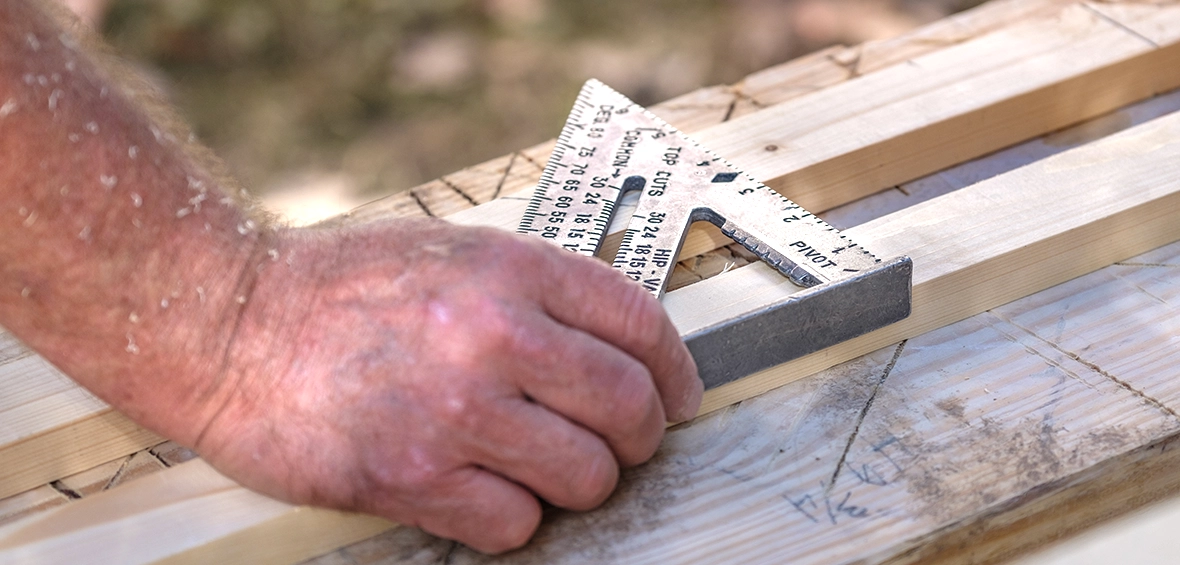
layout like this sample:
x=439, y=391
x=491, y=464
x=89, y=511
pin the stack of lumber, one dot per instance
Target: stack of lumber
x=999, y=415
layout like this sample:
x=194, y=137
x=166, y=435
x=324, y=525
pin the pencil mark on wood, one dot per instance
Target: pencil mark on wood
x=868, y=474
x=1032, y=350
x=729, y=111
x=849, y=60
x=1118, y=24
x=114, y=480
x=1152, y=265
x=825, y=506
x=504, y=177
x=539, y=166
x=159, y=458
x=1140, y=288
x=879, y=448
x=864, y=412
x=12, y=350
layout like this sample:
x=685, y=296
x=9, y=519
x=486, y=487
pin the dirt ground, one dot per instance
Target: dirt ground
x=318, y=105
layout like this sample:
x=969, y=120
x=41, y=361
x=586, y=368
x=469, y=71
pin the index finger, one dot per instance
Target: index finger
x=586, y=294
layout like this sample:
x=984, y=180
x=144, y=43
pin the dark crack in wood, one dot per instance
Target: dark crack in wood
x=1152, y=265
x=458, y=190
x=65, y=491
x=421, y=204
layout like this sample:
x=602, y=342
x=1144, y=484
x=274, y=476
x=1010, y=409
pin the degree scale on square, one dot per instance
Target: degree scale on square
x=611, y=146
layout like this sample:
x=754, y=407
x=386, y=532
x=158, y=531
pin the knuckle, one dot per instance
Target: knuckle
x=636, y=413
x=483, y=327
x=642, y=318
x=593, y=482
x=633, y=396
x=415, y=473
x=503, y=331
x=456, y=409
x=516, y=531
x=495, y=323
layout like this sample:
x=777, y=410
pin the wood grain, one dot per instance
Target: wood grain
x=978, y=248
x=51, y=427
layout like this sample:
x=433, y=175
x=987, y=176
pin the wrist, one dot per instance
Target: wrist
x=255, y=381
x=130, y=260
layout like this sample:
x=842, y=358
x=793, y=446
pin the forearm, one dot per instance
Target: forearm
x=123, y=261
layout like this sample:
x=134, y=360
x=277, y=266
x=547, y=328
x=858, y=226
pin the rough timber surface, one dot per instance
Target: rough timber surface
x=71, y=431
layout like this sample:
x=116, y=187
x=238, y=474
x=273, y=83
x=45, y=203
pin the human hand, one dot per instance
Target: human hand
x=441, y=376
x=434, y=375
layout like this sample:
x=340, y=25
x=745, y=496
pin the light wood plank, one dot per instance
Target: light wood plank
x=858, y=137
x=1126, y=481
x=29, y=503
x=162, y=515
x=965, y=258
x=713, y=105
x=973, y=250
x=51, y=426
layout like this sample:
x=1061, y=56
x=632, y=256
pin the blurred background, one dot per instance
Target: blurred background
x=321, y=105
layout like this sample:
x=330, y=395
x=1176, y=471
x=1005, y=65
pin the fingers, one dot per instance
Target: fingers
x=559, y=461
x=488, y=500
x=592, y=297
x=480, y=509
x=592, y=383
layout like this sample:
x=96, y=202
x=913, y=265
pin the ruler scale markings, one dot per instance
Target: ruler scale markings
x=611, y=146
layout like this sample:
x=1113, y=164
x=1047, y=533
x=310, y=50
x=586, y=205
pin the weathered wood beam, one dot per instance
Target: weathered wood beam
x=973, y=250
x=51, y=427
x=856, y=138
x=1018, y=233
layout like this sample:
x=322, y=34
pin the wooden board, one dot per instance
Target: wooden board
x=858, y=137
x=710, y=497
x=51, y=426
x=710, y=106
x=72, y=431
